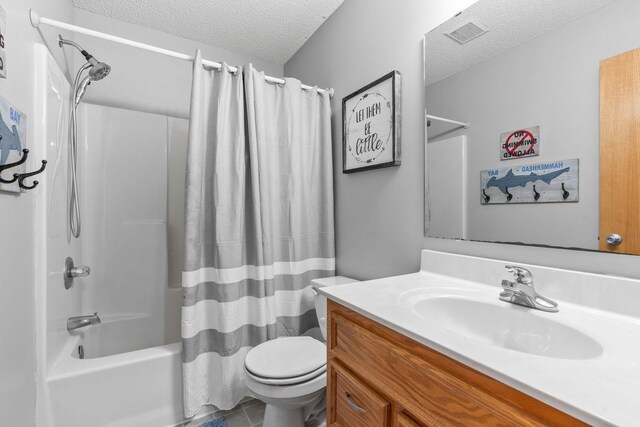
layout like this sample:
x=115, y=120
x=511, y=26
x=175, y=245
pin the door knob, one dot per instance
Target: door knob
x=614, y=239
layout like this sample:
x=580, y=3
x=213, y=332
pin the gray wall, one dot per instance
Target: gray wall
x=560, y=92
x=147, y=81
x=17, y=215
x=379, y=214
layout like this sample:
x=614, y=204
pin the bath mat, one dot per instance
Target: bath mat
x=214, y=423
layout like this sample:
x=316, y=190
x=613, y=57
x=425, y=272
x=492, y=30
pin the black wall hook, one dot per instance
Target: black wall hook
x=565, y=193
x=486, y=197
x=536, y=195
x=25, y=155
x=509, y=195
x=22, y=176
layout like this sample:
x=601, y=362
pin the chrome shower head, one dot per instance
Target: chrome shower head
x=99, y=71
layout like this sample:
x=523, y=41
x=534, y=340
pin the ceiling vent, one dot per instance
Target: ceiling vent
x=467, y=32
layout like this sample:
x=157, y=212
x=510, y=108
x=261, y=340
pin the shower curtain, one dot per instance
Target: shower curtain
x=258, y=227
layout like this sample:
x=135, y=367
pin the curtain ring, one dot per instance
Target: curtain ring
x=229, y=69
x=282, y=84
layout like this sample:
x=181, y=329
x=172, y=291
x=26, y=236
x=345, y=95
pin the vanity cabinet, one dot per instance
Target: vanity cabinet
x=378, y=377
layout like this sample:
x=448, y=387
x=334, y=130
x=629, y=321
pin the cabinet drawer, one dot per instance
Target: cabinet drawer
x=353, y=403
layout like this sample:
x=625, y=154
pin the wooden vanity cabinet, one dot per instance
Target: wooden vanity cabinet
x=380, y=378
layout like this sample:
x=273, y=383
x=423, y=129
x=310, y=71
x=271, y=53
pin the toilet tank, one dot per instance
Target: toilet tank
x=321, y=301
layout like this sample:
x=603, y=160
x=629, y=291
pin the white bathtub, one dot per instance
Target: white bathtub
x=139, y=388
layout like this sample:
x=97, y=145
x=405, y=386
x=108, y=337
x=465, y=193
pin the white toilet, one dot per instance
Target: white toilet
x=289, y=373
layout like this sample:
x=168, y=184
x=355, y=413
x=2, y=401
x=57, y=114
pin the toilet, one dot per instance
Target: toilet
x=289, y=374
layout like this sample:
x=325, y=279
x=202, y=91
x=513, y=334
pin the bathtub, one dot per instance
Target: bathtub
x=139, y=388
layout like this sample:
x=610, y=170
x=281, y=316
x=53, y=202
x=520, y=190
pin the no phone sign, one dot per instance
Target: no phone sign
x=520, y=143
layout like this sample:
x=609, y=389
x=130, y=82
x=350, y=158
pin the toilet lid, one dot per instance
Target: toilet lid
x=286, y=357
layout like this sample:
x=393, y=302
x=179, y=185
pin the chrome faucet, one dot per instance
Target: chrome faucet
x=522, y=292
x=82, y=321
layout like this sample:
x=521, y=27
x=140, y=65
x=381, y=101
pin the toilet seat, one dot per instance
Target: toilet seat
x=286, y=361
x=287, y=381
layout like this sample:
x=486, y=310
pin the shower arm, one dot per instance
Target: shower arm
x=62, y=41
x=84, y=53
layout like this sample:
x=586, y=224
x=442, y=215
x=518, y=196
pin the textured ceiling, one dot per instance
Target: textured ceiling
x=510, y=23
x=272, y=30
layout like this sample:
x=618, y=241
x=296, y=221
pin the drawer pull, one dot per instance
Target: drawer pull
x=354, y=406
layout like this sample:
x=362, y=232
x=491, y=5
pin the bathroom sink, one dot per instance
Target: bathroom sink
x=508, y=326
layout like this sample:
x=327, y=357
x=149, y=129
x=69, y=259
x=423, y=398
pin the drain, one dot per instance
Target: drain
x=81, y=352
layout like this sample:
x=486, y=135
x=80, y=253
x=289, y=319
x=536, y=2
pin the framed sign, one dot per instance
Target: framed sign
x=371, y=125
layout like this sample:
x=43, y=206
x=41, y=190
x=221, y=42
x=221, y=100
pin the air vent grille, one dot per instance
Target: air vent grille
x=467, y=32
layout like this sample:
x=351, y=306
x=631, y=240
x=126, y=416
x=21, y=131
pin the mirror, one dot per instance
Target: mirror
x=533, y=115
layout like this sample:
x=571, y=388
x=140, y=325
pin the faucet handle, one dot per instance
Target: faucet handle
x=521, y=274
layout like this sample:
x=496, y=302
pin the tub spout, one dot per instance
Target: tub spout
x=82, y=321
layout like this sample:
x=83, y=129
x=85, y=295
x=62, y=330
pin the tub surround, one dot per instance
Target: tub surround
x=594, y=379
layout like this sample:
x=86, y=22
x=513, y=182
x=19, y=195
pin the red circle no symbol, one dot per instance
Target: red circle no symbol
x=526, y=134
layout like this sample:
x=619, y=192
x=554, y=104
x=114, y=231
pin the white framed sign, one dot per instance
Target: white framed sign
x=520, y=143
x=371, y=125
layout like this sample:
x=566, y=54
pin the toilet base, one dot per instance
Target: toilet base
x=290, y=412
x=283, y=417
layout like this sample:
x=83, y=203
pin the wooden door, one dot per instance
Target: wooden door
x=620, y=152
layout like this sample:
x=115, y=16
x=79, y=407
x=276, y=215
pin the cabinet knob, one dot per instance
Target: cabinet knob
x=614, y=239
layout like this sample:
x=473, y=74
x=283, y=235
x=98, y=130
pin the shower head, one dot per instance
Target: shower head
x=99, y=70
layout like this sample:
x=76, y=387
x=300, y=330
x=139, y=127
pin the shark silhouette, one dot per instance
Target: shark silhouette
x=510, y=180
x=9, y=140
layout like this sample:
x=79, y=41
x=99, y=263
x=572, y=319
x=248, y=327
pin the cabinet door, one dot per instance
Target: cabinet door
x=404, y=421
x=352, y=403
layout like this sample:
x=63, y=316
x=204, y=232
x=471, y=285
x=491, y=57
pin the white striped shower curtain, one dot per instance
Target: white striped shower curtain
x=259, y=223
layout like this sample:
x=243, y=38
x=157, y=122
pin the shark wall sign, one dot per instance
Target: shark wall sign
x=13, y=138
x=550, y=182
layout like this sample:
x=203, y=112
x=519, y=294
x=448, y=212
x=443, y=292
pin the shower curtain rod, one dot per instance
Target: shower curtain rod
x=37, y=20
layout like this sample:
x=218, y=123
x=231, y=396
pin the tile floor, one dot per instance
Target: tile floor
x=248, y=413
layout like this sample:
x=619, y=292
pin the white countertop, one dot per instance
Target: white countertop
x=603, y=390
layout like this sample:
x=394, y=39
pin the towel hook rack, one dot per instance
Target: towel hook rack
x=20, y=177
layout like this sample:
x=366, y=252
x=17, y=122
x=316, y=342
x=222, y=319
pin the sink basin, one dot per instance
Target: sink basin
x=508, y=326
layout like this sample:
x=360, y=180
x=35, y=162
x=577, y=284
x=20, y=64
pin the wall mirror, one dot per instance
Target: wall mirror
x=533, y=124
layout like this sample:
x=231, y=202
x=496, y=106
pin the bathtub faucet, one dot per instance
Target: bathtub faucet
x=82, y=321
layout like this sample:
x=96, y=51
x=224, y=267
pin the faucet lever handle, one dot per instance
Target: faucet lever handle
x=521, y=274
